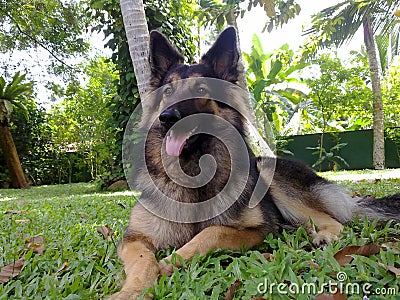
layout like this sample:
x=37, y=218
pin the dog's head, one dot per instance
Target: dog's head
x=219, y=62
x=173, y=80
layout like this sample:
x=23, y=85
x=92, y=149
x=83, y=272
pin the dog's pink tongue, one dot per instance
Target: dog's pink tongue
x=175, y=143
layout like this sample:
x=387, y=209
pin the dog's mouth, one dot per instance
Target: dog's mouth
x=176, y=141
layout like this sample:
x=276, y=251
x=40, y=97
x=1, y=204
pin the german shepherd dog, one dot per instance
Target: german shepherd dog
x=294, y=195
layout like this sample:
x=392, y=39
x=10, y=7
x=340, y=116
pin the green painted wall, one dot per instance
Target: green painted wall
x=357, y=152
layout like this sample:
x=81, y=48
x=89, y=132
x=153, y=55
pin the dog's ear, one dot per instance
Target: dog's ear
x=223, y=56
x=163, y=56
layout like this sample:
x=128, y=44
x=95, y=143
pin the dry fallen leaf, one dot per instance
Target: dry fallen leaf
x=314, y=264
x=337, y=296
x=392, y=269
x=343, y=256
x=268, y=256
x=391, y=245
x=62, y=268
x=105, y=231
x=37, y=239
x=11, y=270
x=230, y=293
x=37, y=248
x=36, y=243
x=21, y=221
x=15, y=212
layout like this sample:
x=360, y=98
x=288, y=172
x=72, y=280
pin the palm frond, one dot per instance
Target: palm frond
x=382, y=43
x=340, y=22
x=16, y=89
x=16, y=92
x=21, y=107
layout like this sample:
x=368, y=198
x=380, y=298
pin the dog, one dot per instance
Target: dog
x=213, y=151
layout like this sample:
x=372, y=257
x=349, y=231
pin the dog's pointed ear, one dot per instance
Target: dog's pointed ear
x=223, y=56
x=163, y=56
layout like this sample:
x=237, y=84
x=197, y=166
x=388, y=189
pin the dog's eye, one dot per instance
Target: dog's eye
x=201, y=91
x=168, y=91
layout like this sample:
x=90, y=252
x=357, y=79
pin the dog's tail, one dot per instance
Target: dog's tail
x=386, y=208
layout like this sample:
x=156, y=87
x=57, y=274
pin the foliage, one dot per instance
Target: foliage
x=41, y=161
x=339, y=100
x=339, y=97
x=338, y=23
x=13, y=95
x=388, y=47
x=55, y=26
x=220, y=13
x=284, y=11
x=174, y=18
x=80, y=121
x=391, y=95
x=269, y=78
x=79, y=263
x=391, y=100
x=32, y=137
x=330, y=157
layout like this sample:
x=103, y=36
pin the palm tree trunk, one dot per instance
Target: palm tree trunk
x=137, y=35
x=11, y=156
x=242, y=81
x=378, y=127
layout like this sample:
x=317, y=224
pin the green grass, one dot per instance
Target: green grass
x=67, y=216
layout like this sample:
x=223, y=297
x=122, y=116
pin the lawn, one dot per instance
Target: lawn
x=65, y=238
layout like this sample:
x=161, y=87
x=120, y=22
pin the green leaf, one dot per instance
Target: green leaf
x=276, y=67
x=257, y=44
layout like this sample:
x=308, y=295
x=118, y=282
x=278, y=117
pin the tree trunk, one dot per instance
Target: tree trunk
x=378, y=127
x=10, y=153
x=242, y=80
x=138, y=36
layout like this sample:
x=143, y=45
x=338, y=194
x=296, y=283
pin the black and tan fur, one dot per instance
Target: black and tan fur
x=296, y=196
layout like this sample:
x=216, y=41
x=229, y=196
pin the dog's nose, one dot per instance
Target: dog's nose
x=170, y=116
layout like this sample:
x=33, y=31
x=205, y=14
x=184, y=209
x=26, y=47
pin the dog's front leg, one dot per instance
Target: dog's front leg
x=141, y=269
x=214, y=237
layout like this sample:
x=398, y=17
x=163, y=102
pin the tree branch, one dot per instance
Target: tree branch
x=37, y=41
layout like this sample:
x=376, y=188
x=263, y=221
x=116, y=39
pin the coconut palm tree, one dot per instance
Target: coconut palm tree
x=12, y=96
x=137, y=34
x=339, y=23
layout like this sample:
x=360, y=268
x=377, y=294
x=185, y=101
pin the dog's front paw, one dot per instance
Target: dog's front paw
x=123, y=295
x=323, y=237
x=166, y=268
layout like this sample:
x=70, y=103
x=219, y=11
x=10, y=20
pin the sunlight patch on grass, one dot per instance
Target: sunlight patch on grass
x=7, y=198
x=361, y=174
x=114, y=194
